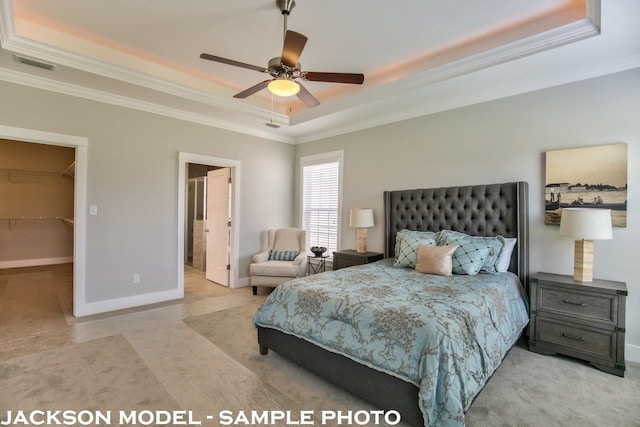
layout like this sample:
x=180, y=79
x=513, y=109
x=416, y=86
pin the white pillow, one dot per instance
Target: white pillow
x=504, y=259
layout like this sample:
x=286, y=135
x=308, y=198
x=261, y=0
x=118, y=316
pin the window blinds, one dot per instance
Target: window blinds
x=320, y=203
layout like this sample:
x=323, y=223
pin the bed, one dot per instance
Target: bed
x=424, y=378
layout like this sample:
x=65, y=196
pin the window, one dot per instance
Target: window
x=321, y=186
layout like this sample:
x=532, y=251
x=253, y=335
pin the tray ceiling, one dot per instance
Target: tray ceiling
x=418, y=56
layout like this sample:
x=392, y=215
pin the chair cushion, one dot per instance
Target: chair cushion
x=287, y=239
x=274, y=268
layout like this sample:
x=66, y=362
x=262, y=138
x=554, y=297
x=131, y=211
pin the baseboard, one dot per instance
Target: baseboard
x=242, y=282
x=89, y=308
x=18, y=263
x=632, y=353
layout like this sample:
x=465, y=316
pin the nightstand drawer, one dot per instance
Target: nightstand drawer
x=595, y=341
x=587, y=305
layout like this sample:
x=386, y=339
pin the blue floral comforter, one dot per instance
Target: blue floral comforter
x=446, y=335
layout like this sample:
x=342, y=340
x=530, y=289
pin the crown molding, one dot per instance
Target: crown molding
x=41, y=51
x=123, y=101
x=488, y=93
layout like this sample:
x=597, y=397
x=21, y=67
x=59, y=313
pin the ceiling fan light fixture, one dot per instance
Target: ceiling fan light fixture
x=283, y=87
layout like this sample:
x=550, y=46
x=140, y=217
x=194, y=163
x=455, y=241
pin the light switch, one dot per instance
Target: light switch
x=93, y=210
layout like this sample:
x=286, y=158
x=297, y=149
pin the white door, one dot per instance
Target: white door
x=218, y=225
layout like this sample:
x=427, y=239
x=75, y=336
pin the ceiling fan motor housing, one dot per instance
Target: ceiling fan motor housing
x=285, y=6
x=278, y=70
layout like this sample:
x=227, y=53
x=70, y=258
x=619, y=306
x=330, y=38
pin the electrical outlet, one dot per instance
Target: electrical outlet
x=136, y=278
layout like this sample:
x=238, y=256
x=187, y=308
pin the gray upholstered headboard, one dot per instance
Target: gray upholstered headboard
x=478, y=210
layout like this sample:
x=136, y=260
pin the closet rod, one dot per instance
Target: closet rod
x=19, y=176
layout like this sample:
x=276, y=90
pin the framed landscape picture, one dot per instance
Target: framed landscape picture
x=590, y=177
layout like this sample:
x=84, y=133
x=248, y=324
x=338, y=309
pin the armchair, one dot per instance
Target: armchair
x=284, y=259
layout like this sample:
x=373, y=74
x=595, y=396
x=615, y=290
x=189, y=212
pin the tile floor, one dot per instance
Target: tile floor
x=35, y=316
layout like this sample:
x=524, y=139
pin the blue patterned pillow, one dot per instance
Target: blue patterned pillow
x=469, y=259
x=474, y=254
x=283, y=255
x=407, y=243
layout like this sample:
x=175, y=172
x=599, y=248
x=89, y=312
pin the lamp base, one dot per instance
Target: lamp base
x=361, y=240
x=583, y=261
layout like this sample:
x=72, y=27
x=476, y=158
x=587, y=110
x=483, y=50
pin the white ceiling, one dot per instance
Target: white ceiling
x=418, y=56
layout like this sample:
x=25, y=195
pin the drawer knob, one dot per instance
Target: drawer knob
x=571, y=337
x=581, y=304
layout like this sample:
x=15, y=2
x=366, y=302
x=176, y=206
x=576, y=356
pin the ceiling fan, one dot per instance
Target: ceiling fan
x=286, y=69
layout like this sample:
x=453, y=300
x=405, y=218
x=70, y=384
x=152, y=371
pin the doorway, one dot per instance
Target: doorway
x=232, y=233
x=207, y=221
x=80, y=144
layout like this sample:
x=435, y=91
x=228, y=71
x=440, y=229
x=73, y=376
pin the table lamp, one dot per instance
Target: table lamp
x=585, y=225
x=361, y=219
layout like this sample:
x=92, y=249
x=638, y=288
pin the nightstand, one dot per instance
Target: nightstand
x=584, y=320
x=349, y=257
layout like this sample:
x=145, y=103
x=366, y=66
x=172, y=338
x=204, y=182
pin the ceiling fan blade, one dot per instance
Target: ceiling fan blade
x=305, y=96
x=353, y=78
x=292, y=49
x=253, y=89
x=232, y=62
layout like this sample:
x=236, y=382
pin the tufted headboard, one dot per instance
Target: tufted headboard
x=478, y=210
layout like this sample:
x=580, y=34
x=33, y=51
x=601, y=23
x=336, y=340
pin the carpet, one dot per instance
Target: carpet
x=103, y=375
x=232, y=331
x=527, y=390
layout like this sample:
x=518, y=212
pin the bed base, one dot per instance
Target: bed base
x=381, y=390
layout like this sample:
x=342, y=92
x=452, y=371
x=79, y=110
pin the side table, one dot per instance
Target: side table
x=317, y=264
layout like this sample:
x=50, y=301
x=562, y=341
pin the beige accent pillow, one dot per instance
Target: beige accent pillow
x=435, y=259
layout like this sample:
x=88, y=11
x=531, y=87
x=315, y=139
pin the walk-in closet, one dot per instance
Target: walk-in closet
x=36, y=204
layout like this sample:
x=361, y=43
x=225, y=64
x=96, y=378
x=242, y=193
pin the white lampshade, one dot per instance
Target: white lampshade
x=586, y=224
x=361, y=218
x=283, y=87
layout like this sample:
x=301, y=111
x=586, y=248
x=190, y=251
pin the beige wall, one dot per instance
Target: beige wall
x=500, y=141
x=133, y=180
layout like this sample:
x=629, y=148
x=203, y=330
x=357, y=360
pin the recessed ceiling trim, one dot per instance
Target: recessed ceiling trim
x=570, y=33
x=530, y=45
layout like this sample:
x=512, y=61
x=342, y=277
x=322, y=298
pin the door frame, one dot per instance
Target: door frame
x=234, y=166
x=79, y=200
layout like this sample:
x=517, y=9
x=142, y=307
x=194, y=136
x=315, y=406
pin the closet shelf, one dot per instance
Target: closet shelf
x=70, y=171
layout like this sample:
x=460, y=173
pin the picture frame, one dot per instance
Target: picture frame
x=589, y=177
